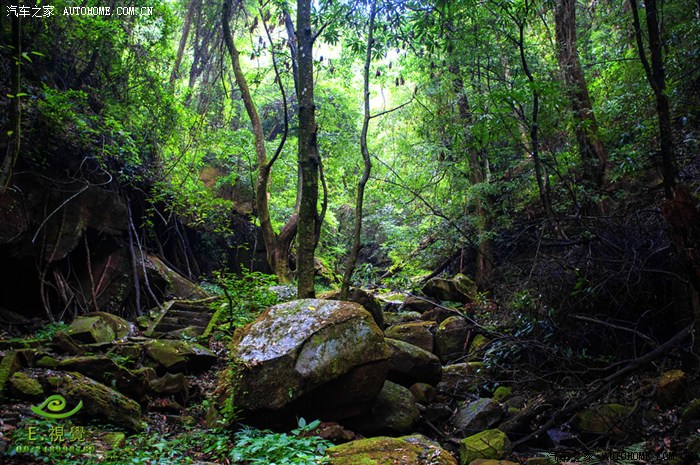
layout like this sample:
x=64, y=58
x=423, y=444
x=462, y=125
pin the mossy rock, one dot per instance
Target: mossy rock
x=133, y=383
x=400, y=317
x=476, y=416
x=450, y=338
x=179, y=356
x=9, y=365
x=394, y=411
x=671, y=387
x=100, y=403
x=458, y=289
x=502, y=393
x=692, y=411
x=459, y=379
x=489, y=444
x=418, y=333
x=540, y=461
x=46, y=361
x=492, y=462
x=478, y=347
x=362, y=297
x=409, y=364
x=608, y=419
x=388, y=451
x=25, y=387
x=91, y=330
x=114, y=440
x=327, y=357
x=424, y=393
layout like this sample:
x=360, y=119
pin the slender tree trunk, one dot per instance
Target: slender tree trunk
x=477, y=175
x=534, y=127
x=593, y=155
x=277, y=251
x=183, y=40
x=11, y=157
x=308, y=153
x=357, y=233
x=657, y=79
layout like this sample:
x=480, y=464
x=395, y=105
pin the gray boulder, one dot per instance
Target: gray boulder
x=316, y=357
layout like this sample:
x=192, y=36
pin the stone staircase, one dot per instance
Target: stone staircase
x=178, y=316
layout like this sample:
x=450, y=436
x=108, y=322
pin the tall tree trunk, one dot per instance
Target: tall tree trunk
x=11, y=157
x=277, y=250
x=593, y=155
x=357, y=232
x=477, y=175
x=534, y=128
x=183, y=40
x=657, y=79
x=308, y=153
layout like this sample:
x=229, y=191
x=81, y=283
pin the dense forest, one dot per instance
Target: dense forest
x=264, y=231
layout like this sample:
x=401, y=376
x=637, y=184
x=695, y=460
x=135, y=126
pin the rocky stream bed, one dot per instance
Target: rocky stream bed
x=395, y=379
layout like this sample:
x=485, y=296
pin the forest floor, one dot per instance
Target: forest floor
x=645, y=409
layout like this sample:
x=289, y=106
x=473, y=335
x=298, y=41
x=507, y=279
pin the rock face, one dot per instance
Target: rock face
x=98, y=328
x=313, y=356
x=458, y=289
x=362, y=297
x=394, y=411
x=418, y=333
x=99, y=402
x=489, y=444
x=384, y=450
x=410, y=364
x=476, y=416
x=451, y=337
x=179, y=356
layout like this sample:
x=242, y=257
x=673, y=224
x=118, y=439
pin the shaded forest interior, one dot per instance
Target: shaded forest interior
x=547, y=150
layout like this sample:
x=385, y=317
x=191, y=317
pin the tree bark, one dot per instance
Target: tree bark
x=656, y=76
x=477, y=175
x=183, y=40
x=593, y=155
x=10, y=160
x=277, y=250
x=357, y=232
x=308, y=153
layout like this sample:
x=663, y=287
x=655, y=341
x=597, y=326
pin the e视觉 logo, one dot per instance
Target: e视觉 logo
x=56, y=404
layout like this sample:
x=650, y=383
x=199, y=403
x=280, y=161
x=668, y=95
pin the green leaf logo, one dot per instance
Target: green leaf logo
x=55, y=404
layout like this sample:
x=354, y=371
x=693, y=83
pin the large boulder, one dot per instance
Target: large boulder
x=408, y=450
x=133, y=383
x=451, y=338
x=100, y=402
x=489, y=444
x=476, y=416
x=173, y=356
x=99, y=328
x=312, y=357
x=458, y=289
x=418, y=333
x=362, y=297
x=410, y=364
x=394, y=411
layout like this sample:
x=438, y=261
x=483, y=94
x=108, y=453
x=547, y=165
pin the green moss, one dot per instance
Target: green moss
x=114, y=440
x=489, y=444
x=9, y=365
x=25, y=386
x=502, y=393
x=477, y=347
x=47, y=362
x=692, y=411
x=603, y=419
x=387, y=451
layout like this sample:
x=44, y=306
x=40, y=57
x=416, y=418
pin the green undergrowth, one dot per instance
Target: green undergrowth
x=248, y=446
